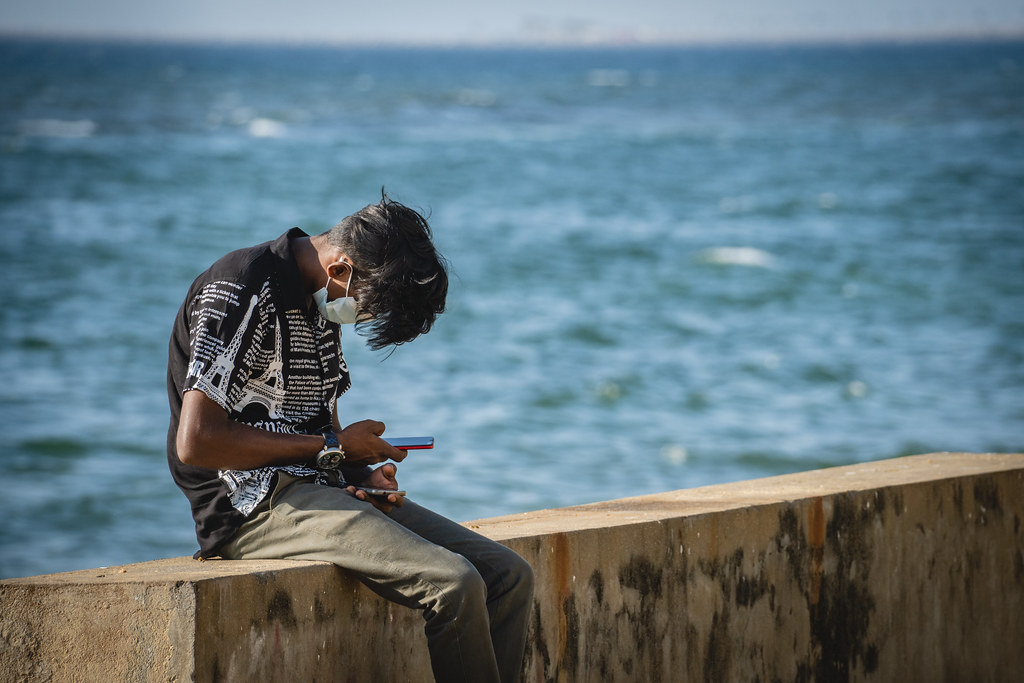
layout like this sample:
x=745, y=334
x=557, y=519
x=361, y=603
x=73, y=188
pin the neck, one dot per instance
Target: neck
x=307, y=252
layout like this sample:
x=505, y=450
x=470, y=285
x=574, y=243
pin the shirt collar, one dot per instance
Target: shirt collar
x=289, y=280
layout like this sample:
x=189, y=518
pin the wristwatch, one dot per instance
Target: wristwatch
x=332, y=454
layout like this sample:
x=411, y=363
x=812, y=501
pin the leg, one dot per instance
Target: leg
x=508, y=577
x=305, y=521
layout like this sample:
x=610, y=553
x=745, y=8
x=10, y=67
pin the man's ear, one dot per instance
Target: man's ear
x=340, y=269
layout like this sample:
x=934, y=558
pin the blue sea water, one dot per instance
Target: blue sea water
x=673, y=267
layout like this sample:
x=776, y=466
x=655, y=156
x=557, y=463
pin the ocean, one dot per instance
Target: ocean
x=672, y=267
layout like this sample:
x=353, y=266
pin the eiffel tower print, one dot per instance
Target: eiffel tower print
x=268, y=388
x=217, y=378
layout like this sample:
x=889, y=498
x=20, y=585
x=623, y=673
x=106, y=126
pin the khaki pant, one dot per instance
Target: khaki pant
x=475, y=594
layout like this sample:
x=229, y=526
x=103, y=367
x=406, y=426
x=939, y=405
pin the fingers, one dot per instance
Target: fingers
x=362, y=442
x=384, y=505
x=387, y=452
x=377, y=428
x=363, y=495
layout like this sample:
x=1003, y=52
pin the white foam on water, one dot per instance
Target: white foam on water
x=737, y=256
x=266, y=128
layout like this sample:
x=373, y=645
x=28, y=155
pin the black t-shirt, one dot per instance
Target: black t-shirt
x=247, y=337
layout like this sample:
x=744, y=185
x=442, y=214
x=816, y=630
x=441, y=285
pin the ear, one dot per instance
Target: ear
x=340, y=269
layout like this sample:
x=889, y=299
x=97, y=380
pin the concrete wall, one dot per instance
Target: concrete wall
x=908, y=569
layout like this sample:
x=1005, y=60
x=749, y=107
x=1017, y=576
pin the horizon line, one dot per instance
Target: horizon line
x=1013, y=34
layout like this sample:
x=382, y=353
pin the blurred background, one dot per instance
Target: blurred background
x=689, y=246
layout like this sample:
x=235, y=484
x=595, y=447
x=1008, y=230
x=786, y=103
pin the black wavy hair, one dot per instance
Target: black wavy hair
x=400, y=279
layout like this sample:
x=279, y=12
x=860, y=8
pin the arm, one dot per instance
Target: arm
x=208, y=438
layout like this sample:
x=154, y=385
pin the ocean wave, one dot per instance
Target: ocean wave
x=737, y=256
x=56, y=128
x=266, y=128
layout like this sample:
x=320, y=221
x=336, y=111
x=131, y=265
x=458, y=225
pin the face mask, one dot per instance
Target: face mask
x=343, y=310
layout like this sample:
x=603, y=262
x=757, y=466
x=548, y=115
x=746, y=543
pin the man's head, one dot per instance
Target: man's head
x=400, y=280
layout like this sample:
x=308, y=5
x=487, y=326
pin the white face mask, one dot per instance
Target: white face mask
x=343, y=310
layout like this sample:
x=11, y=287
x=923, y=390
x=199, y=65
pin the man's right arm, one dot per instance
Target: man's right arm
x=208, y=438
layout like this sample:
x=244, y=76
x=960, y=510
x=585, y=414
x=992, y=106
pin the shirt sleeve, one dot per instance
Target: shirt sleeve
x=223, y=320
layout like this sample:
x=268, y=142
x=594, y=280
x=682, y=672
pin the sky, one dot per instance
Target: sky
x=514, y=21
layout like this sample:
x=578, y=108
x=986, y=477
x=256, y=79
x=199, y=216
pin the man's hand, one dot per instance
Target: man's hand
x=381, y=478
x=363, y=445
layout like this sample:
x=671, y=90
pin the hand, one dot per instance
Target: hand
x=381, y=478
x=363, y=445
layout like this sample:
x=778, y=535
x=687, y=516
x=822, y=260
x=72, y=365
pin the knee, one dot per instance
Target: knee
x=520, y=578
x=465, y=583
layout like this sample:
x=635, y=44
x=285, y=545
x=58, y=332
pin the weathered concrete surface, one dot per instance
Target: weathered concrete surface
x=906, y=569
x=183, y=620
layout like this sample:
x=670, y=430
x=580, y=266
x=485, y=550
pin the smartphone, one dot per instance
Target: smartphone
x=409, y=443
x=379, y=492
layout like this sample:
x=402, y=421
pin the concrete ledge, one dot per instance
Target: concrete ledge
x=906, y=569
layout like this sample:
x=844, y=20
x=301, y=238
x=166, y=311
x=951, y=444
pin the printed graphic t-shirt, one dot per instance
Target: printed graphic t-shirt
x=247, y=338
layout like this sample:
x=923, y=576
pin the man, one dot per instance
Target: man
x=254, y=373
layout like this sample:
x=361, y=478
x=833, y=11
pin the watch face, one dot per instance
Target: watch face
x=329, y=460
